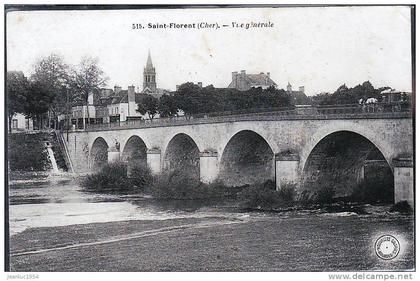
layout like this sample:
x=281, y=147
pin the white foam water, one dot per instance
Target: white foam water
x=52, y=159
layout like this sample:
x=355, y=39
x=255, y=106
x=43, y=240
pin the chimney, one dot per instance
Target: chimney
x=200, y=84
x=302, y=89
x=268, y=74
x=243, y=72
x=234, y=73
x=289, y=87
x=131, y=94
x=117, y=89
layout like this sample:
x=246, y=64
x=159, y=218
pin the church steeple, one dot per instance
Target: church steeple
x=149, y=76
x=149, y=64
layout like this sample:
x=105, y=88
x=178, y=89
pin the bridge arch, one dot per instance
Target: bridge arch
x=352, y=165
x=134, y=152
x=371, y=135
x=98, y=156
x=182, y=155
x=247, y=158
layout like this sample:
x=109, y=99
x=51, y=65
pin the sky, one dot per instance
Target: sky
x=320, y=48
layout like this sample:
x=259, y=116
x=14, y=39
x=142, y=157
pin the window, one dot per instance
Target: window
x=14, y=124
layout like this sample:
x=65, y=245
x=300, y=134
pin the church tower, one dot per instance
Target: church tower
x=149, y=76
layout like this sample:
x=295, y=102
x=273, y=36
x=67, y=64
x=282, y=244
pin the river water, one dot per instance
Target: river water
x=337, y=241
x=59, y=202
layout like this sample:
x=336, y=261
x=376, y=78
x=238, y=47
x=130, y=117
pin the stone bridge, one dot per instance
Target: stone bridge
x=306, y=150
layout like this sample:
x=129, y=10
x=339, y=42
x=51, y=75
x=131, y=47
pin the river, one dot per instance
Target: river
x=58, y=202
x=50, y=213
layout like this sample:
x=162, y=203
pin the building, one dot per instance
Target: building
x=150, y=81
x=116, y=105
x=149, y=76
x=21, y=123
x=298, y=97
x=243, y=81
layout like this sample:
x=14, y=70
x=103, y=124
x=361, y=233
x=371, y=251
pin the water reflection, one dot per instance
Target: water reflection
x=63, y=202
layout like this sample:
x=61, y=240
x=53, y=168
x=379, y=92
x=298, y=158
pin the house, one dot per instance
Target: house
x=243, y=81
x=298, y=97
x=116, y=105
x=21, y=123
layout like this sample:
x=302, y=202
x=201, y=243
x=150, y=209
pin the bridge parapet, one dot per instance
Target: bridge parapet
x=264, y=116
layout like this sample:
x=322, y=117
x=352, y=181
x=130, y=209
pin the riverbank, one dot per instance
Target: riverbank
x=23, y=177
x=289, y=242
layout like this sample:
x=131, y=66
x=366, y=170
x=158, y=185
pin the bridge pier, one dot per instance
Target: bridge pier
x=113, y=155
x=361, y=175
x=287, y=169
x=403, y=180
x=153, y=160
x=209, y=166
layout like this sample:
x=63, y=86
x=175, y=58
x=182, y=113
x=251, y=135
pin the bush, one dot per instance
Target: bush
x=173, y=185
x=26, y=152
x=324, y=194
x=317, y=194
x=402, y=207
x=111, y=177
x=264, y=196
x=141, y=176
x=378, y=190
x=176, y=185
x=288, y=192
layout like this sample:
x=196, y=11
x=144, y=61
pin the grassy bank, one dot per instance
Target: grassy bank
x=27, y=152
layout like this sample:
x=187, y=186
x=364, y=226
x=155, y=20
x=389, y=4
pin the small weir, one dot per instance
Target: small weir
x=52, y=157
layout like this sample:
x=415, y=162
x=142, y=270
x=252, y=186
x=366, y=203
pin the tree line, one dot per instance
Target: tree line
x=345, y=95
x=52, y=87
x=192, y=99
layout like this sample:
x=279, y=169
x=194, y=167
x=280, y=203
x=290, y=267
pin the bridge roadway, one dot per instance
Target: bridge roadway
x=304, y=149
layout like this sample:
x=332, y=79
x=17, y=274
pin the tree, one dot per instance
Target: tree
x=17, y=89
x=167, y=106
x=87, y=78
x=52, y=73
x=148, y=105
x=193, y=99
x=38, y=101
x=345, y=95
x=188, y=99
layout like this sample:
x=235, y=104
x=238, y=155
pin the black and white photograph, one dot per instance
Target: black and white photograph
x=210, y=138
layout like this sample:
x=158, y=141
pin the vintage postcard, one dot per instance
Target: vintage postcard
x=206, y=138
